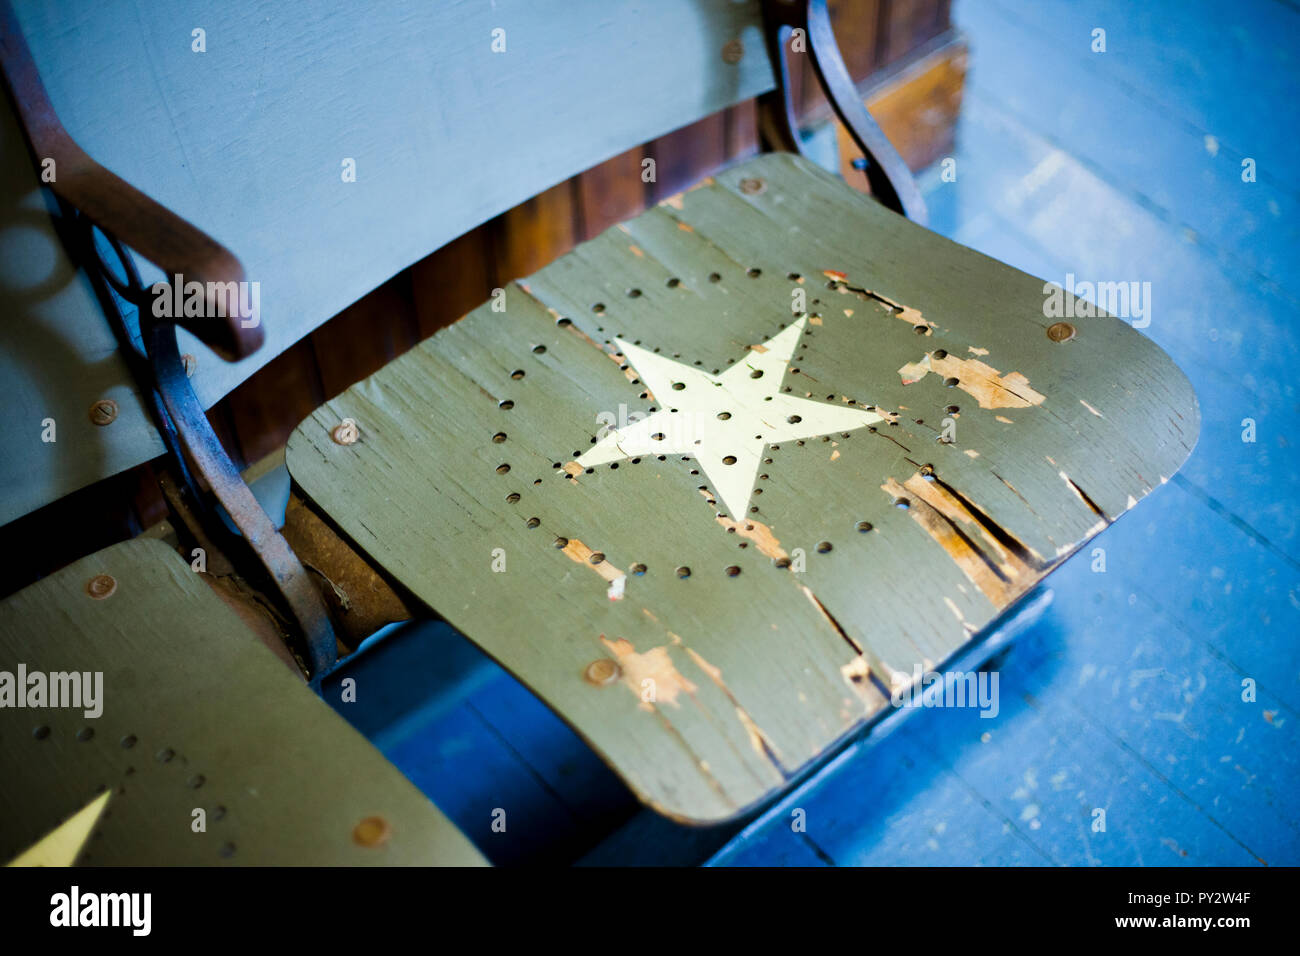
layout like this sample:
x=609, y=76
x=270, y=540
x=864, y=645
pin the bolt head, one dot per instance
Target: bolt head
x=602, y=671
x=372, y=832
x=1060, y=331
x=101, y=586
x=103, y=412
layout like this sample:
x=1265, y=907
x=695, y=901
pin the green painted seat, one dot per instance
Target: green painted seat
x=719, y=482
x=280, y=778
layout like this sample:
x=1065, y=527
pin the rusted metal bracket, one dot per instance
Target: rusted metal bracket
x=890, y=179
x=94, y=200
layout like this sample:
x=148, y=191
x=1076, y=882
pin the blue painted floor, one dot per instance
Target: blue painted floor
x=1127, y=697
x=1124, y=703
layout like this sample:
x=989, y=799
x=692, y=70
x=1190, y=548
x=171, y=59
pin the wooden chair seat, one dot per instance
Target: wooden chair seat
x=720, y=481
x=196, y=714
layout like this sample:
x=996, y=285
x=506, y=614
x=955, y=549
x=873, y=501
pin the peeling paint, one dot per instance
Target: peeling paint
x=985, y=384
x=579, y=553
x=656, y=665
x=756, y=532
x=1000, y=573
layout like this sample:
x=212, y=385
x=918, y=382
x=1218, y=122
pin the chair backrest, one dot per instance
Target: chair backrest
x=329, y=145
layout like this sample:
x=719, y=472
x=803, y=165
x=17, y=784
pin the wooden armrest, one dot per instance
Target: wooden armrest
x=155, y=232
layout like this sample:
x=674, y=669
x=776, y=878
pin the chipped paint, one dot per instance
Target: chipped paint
x=756, y=532
x=636, y=251
x=1091, y=409
x=685, y=227
x=1006, y=421
x=655, y=665
x=674, y=200
x=814, y=320
x=972, y=453
x=973, y=350
x=579, y=553
x=1001, y=574
x=981, y=381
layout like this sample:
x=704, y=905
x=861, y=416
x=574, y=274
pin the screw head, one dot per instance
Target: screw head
x=733, y=51
x=346, y=432
x=101, y=586
x=602, y=671
x=372, y=832
x=190, y=363
x=103, y=411
x=753, y=186
x=1060, y=331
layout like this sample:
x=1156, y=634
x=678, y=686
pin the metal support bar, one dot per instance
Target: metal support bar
x=890, y=179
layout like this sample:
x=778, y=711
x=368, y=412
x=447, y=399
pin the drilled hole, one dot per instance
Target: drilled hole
x=506, y=405
x=517, y=374
x=902, y=503
x=86, y=733
x=499, y=437
x=724, y=415
x=634, y=293
x=864, y=526
x=758, y=373
x=729, y=460
x=678, y=386
x=823, y=547
x=673, y=283
x=638, y=569
x=513, y=497
x=683, y=572
x=733, y=571
x=129, y=741
x=533, y=522
x=950, y=382
x=561, y=543
x=40, y=733
x=596, y=557
x=598, y=308
x=753, y=273
x=539, y=349
x=794, y=419
x=503, y=468
x=564, y=322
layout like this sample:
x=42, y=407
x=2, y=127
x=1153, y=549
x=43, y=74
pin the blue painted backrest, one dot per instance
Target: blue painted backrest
x=452, y=111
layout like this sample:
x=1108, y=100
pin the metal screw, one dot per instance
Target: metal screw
x=1060, y=331
x=346, y=432
x=601, y=671
x=733, y=51
x=372, y=832
x=101, y=586
x=752, y=187
x=103, y=411
x=190, y=363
